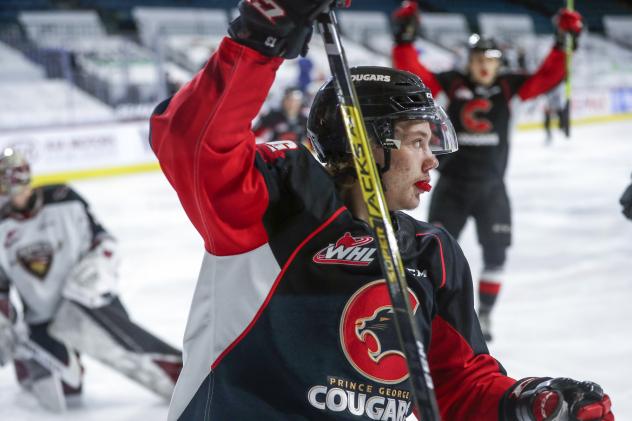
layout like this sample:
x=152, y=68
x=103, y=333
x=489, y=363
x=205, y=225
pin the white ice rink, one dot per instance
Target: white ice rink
x=565, y=309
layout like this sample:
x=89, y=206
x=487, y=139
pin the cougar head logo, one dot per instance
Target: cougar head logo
x=378, y=332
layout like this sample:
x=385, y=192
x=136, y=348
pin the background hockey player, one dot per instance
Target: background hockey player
x=63, y=265
x=554, y=110
x=291, y=318
x=626, y=202
x=472, y=180
x=287, y=122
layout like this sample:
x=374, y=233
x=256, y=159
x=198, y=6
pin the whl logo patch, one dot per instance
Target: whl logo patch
x=348, y=250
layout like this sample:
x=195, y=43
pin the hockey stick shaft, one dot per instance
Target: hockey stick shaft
x=568, y=41
x=408, y=333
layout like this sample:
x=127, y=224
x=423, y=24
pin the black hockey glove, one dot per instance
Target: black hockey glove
x=560, y=399
x=276, y=27
x=405, y=22
x=626, y=202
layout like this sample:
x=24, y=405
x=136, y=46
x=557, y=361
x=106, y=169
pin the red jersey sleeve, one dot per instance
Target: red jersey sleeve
x=405, y=58
x=469, y=383
x=549, y=75
x=206, y=148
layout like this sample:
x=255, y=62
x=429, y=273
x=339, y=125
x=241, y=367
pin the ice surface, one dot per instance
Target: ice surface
x=565, y=309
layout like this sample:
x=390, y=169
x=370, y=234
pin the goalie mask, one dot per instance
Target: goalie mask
x=15, y=173
x=386, y=95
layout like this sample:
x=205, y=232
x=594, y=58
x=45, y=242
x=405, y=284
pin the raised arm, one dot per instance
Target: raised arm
x=405, y=24
x=553, y=69
x=205, y=146
x=550, y=73
x=203, y=138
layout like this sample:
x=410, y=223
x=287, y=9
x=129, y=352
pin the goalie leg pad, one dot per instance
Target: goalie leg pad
x=45, y=386
x=108, y=335
x=39, y=355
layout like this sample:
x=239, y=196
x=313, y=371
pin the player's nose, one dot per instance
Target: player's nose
x=430, y=162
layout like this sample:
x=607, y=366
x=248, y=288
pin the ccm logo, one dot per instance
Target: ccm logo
x=370, y=77
x=268, y=8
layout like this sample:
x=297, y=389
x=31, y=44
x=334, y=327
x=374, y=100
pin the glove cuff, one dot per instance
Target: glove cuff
x=515, y=405
x=289, y=46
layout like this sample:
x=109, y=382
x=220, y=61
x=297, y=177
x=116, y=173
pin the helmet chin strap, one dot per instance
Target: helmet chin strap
x=387, y=162
x=383, y=136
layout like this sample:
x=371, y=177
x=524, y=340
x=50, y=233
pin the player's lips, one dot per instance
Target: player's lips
x=423, y=185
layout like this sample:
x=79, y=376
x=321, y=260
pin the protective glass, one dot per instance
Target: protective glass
x=443, y=140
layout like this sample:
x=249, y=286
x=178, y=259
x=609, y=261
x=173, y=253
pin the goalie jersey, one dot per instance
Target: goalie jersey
x=291, y=318
x=41, y=246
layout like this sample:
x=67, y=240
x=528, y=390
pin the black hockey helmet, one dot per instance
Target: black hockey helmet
x=488, y=46
x=386, y=95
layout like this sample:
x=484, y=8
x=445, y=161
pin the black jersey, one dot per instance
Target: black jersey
x=291, y=317
x=276, y=125
x=481, y=118
x=481, y=115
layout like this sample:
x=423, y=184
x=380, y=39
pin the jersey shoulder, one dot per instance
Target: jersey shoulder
x=513, y=79
x=432, y=246
x=42, y=196
x=449, y=77
x=421, y=228
x=59, y=193
x=286, y=152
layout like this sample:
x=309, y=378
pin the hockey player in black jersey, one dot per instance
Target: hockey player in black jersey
x=287, y=122
x=63, y=265
x=472, y=180
x=291, y=318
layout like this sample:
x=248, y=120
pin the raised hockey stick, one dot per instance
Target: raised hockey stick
x=568, y=44
x=408, y=333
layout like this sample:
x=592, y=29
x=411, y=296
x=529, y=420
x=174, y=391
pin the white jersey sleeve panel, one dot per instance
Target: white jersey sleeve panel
x=230, y=292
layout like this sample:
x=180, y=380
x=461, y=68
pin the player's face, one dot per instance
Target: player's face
x=483, y=70
x=410, y=164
